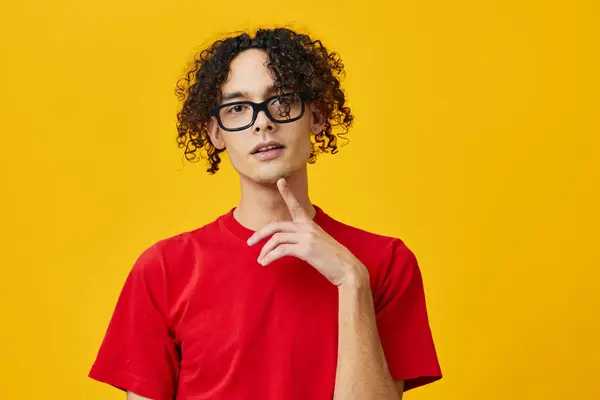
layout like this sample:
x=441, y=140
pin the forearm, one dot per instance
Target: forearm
x=362, y=371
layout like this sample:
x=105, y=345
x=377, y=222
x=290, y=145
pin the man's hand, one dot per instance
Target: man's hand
x=304, y=239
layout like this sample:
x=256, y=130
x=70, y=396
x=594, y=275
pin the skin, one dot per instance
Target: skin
x=260, y=201
x=275, y=204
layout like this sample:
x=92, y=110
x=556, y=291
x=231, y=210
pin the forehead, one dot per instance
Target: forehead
x=248, y=73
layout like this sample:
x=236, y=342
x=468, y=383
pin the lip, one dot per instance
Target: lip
x=268, y=155
x=265, y=144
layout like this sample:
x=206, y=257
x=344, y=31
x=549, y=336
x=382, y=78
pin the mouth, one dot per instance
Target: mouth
x=267, y=147
x=268, y=151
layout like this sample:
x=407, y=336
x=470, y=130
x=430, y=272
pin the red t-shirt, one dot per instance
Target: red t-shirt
x=199, y=318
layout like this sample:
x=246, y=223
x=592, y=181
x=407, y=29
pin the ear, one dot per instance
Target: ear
x=215, y=134
x=317, y=118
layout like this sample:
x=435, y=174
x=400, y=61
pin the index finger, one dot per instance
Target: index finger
x=298, y=213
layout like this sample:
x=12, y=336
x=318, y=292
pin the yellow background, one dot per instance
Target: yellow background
x=476, y=141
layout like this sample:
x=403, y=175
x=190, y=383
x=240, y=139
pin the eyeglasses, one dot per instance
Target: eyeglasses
x=240, y=115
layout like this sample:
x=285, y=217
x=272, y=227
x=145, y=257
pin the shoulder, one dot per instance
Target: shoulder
x=175, y=250
x=387, y=258
x=361, y=241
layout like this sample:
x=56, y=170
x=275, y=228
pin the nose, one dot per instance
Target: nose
x=262, y=124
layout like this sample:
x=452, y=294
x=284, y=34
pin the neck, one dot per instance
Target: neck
x=261, y=203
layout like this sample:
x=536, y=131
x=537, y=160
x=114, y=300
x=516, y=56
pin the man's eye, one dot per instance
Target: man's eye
x=238, y=108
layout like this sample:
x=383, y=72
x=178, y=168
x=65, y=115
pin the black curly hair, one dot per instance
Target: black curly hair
x=296, y=61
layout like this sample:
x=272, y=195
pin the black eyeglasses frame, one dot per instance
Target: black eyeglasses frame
x=256, y=108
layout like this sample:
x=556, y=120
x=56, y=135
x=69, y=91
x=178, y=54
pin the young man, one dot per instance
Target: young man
x=275, y=299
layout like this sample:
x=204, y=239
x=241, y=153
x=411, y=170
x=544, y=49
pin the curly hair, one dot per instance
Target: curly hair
x=295, y=61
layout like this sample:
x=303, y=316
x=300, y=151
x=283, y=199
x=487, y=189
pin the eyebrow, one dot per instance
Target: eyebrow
x=235, y=95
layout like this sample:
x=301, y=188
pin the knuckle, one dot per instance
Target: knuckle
x=286, y=251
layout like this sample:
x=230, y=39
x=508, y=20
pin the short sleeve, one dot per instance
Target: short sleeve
x=138, y=352
x=402, y=320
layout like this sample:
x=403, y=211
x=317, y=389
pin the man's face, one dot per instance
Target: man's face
x=250, y=80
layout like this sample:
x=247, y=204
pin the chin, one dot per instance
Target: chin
x=270, y=174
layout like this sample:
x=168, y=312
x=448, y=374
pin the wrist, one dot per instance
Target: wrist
x=357, y=278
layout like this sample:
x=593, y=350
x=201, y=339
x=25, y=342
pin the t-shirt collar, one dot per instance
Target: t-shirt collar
x=242, y=232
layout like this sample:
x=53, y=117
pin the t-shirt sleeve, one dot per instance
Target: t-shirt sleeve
x=402, y=320
x=138, y=352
